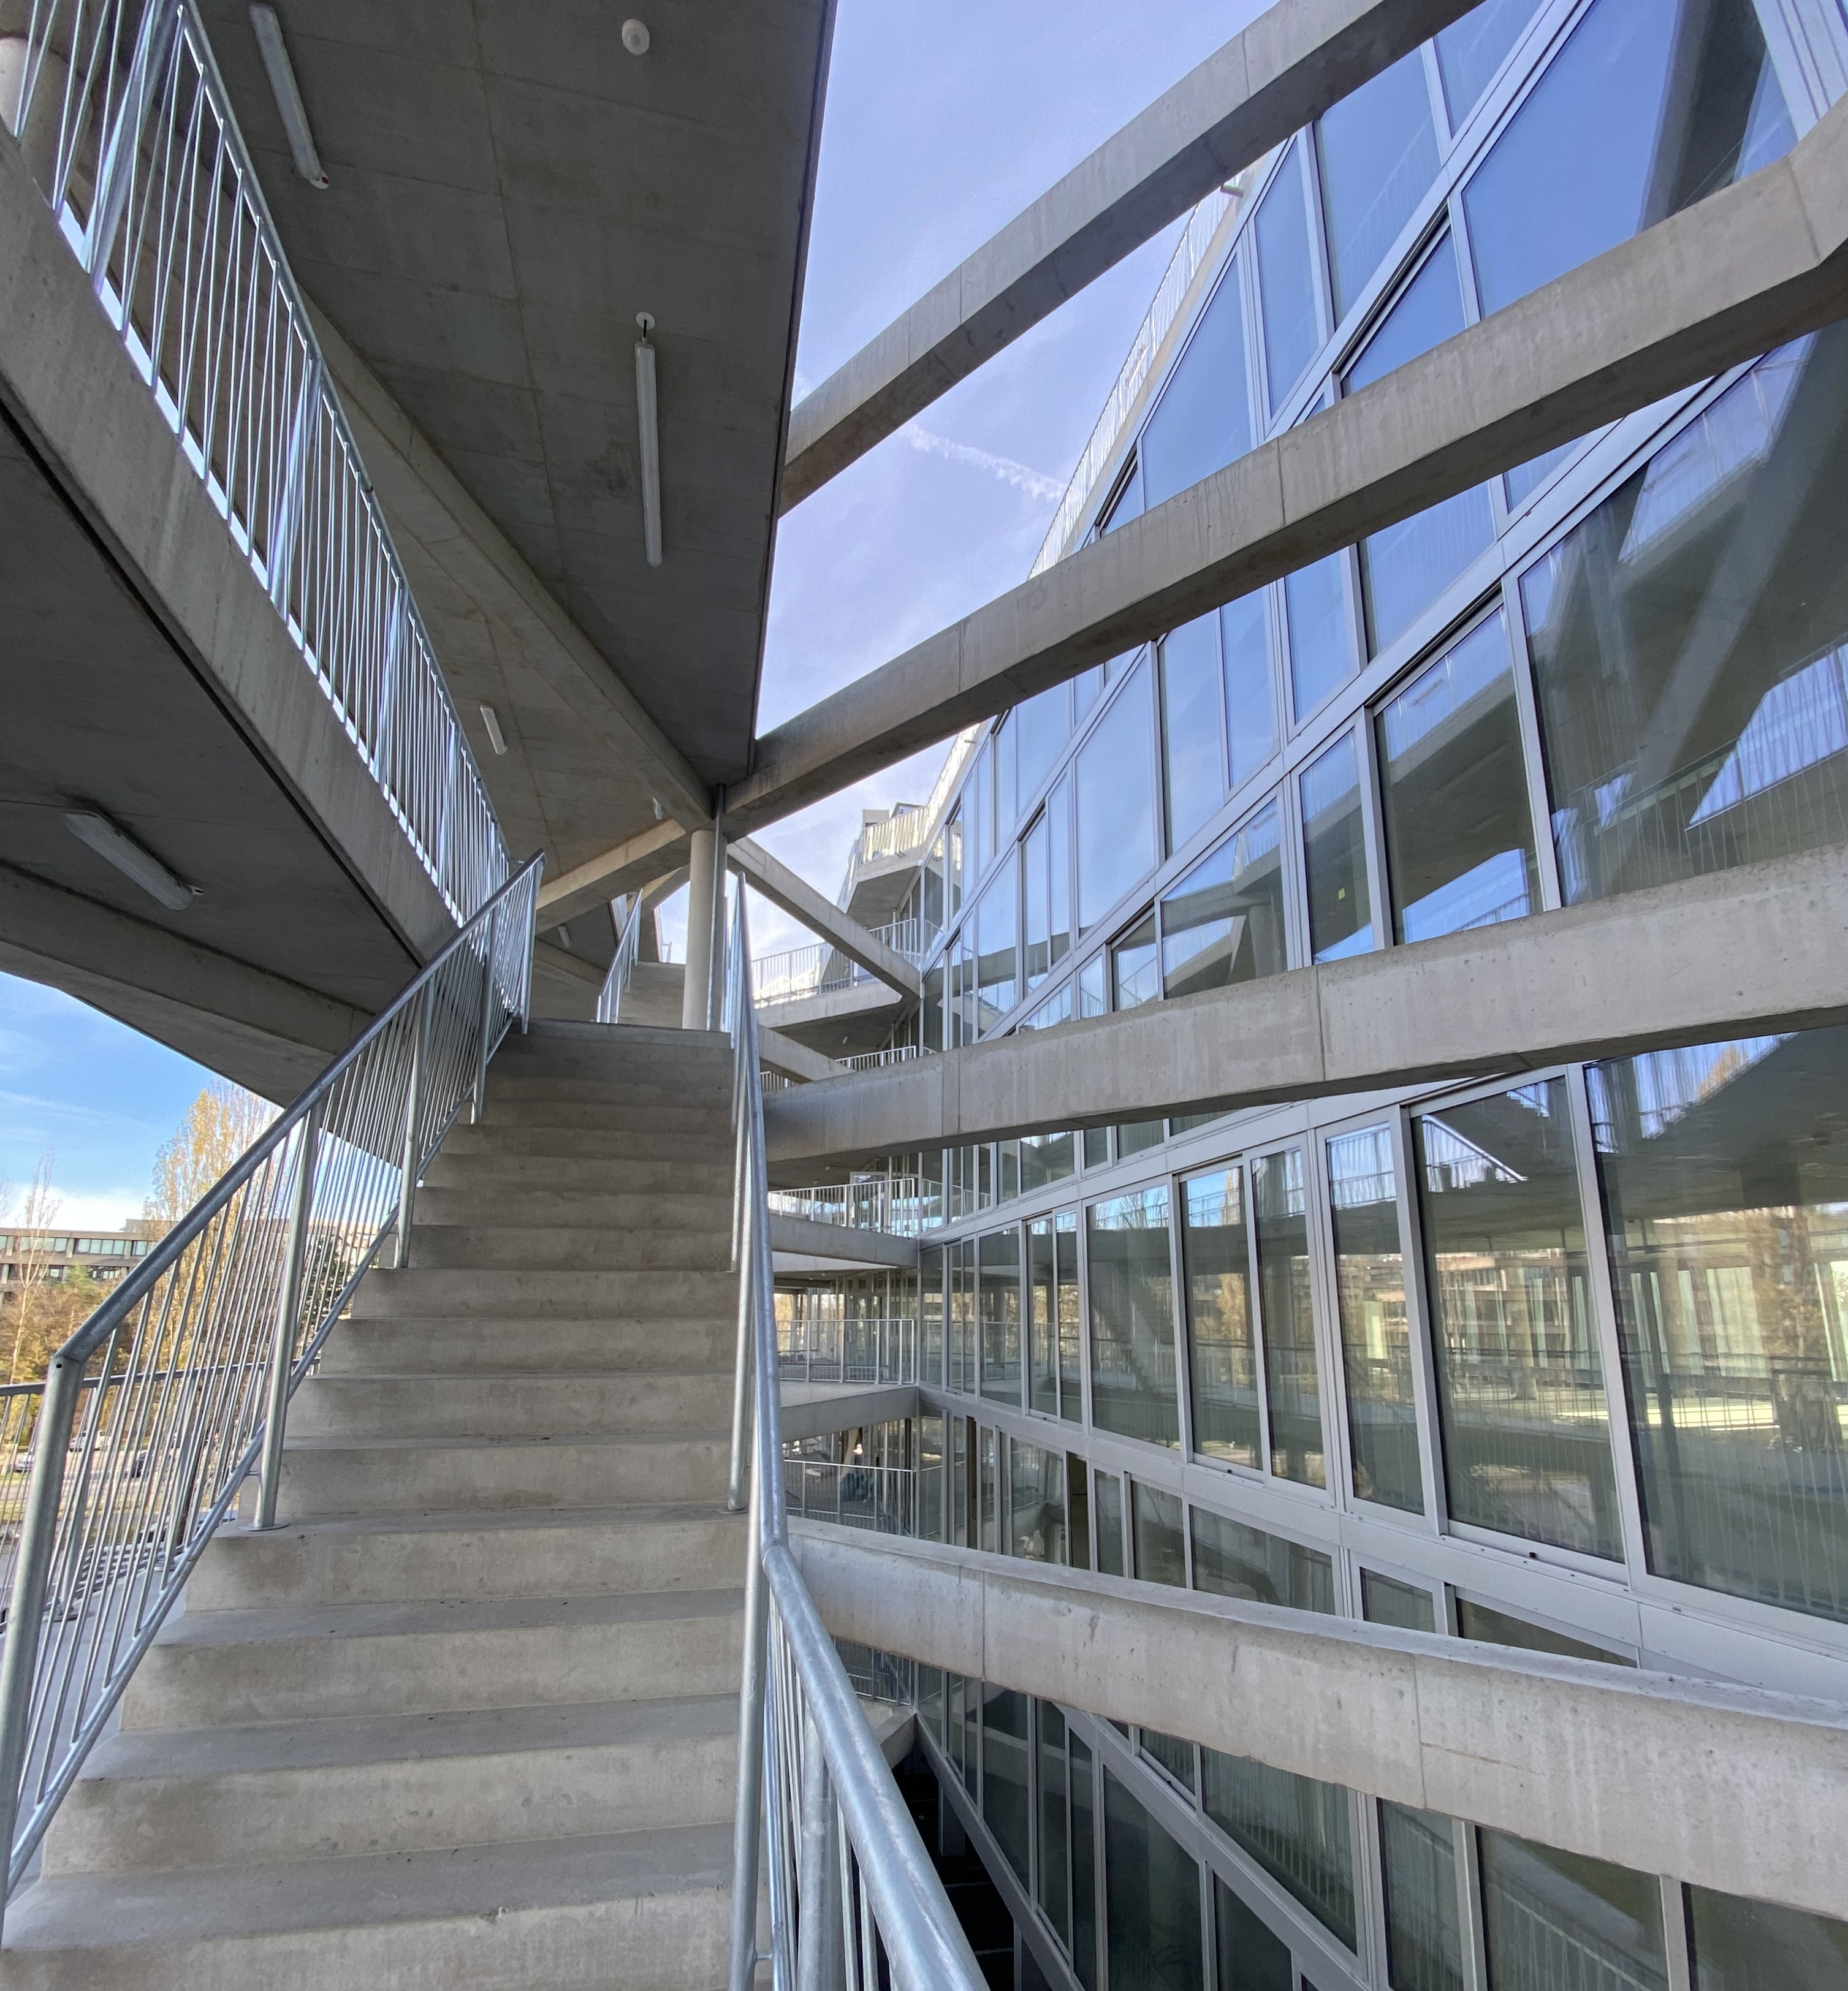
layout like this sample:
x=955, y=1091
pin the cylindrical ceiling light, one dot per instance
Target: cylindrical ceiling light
x=645, y=423
x=288, y=93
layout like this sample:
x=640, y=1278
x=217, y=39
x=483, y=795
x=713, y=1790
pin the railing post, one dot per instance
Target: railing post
x=288, y=1316
x=821, y=1958
x=487, y=1020
x=123, y=145
x=413, y=1106
x=737, y=1492
x=748, y=1821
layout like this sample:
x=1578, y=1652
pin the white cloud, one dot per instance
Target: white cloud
x=1049, y=490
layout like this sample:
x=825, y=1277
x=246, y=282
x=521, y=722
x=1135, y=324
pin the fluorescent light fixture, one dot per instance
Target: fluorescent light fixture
x=288, y=93
x=117, y=847
x=491, y=720
x=635, y=37
x=651, y=441
x=564, y=938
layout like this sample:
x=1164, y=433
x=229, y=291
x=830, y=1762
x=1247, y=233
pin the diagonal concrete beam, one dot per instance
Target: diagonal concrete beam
x=636, y=863
x=1283, y=71
x=1725, y=280
x=1732, y=1788
x=798, y=898
x=1754, y=950
x=778, y=1053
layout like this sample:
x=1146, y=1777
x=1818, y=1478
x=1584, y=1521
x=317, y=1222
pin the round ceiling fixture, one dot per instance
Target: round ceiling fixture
x=635, y=37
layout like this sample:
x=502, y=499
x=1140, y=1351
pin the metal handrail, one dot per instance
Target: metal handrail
x=819, y=965
x=126, y=125
x=184, y=1373
x=849, y=1877
x=616, y=983
x=829, y=1348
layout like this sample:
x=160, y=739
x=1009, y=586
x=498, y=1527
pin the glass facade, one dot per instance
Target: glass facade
x=1375, y=1325
x=1216, y=1249
x=1133, y=1379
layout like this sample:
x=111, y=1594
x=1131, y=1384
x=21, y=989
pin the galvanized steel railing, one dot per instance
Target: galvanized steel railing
x=852, y=1892
x=616, y=983
x=126, y=125
x=881, y=1498
x=827, y=1348
x=800, y=972
x=176, y=1388
x=892, y=1203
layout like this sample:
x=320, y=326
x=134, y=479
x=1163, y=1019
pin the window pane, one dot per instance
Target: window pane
x=1175, y=1757
x=930, y=1288
x=1292, y=324
x=1036, y=1502
x=1459, y=835
x=1224, y=921
x=1042, y=1385
x=1058, y=860
x=1379, y=155
x=1726, y=1203
x=1192, y=761
x=1742, y=1945
x=1042, y=723
x=1153, y=1891
x=1093, y=998
x=1471, y=50
x=1133, y=1136
x=1036, y=912
x=961, y=1312
x=988, y=1492
x=1294, y=1828
x=1376, y=1338
x=1006, y=781
x=1116, y=803
x=1054, y=1837
x=979, y=798
x=1203, y=419
x=1526, y=1440
x=1045, y=1158
x=1084, y=1866
x=1383, y=1601
x=1418, y=1862
x=1109, y=1526
x=1071, y=1355
x=1005, y=1778
x=1250, y=1958
x=1546, y=1912
x=1335, y=855
x=1001, y=1314
x=1648, y=107
x=1250, y=702
x=1321, y=656
x=1280, y=1201
x=1160, y=1551
x=1690, y=656
x=1232, y=1560
x=1404, y=569
x=996, y=919
x=1132, y=1319
x=1485, y=1625
x=1428, y=310
x=1133, y=967
x=1221, y=1352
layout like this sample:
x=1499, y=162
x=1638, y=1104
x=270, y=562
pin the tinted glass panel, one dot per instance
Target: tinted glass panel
x=1386, y=1601
x=1160, y=1551
x=1042, y=1299
x=1058, y=864
x=1376, y=1337
x=1154, y=1916
x=930, y=1287
x=1036, y=1502
x=1725, y=1195
x=1042, y=724
x=1691, y=642
x=1418, y=1863
x=1224, y=921
x=1280, y=1199
x=1540, y=1905
x=1116, y=802
x=1036, y=920
x=1203, y=419
x=1335, y=855
x=1250, y=702
x=1005, y=1772
x=1459, y=835
x=1527, y=1446
x=1084, y=1865
x=1135, y=968
x=996, y=919
x=1001, y=1314
x=1221, y=1350
x=1250, y=1958
x=1321, y=655
x=1649, y=106
x=1742, y=1945
x=1471, y=50
x=1109, y=1526
x=1379, y=154
x=1055, y=1829
x=1292, y=323
x=1132, y=1319
x=1296, y=1829
x=1481, y=1623
x=1070, y=1352
x=1193, y=760
x=1232, y=1560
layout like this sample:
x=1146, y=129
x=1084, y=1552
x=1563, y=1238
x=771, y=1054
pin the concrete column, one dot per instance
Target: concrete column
x=705, y=940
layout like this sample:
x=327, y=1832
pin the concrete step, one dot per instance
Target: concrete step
x=159, y=1800
x=694, y=1086
x=666, y=1111
x=220, y=1668
x=519, y=1404
x=646, y=1910
x=599, y=1175
x=520, y=1552
x=648, y=1213
x=325, y=1477
x=595, y=1143
x=576, y=1247
x=628, y=1048
x=455, y=1292
x=479, y=1344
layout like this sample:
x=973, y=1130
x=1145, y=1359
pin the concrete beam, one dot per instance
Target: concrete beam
x=1730, y=1788
x=631, y=866
x=798, y=898
x=812, y=1410
x=1737, y=274
x=794, y=1060
x=1284, y=70
x=842, y=1242
x=1757, y=949
x=833, y=1006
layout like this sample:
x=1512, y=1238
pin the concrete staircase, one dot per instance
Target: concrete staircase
x=467, y=1721
x=654, y=994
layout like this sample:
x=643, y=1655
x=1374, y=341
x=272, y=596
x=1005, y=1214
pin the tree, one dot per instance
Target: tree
x=220, y=1124
x=36, y=1310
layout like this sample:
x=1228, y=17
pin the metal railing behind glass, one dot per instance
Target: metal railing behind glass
x=854, y=1899
x=157, y=1410
x=616, y=983
x=828, y=1348
x=882, y=1498
x=799, y=972
x=126, y=125
x=881, y=1203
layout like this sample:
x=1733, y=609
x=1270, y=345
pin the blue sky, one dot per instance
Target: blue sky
x=945, y=118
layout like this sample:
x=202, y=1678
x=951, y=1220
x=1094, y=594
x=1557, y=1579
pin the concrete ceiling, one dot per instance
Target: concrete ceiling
x=509, y=188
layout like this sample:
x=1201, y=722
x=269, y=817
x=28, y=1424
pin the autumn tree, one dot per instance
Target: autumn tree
x=45, y=1311
x=220, y=1124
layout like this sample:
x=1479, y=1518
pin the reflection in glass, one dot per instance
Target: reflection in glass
x=1133, y=1136
x=996, y=923
x=1005, y=1801
x=1378, y=156
x=1134, y=965
x=1740, y=1945
x=1116, y=781
x=1233, y=1560
x=1540, y=1905
x=1058, y=866
x=1042, y=1296
x=1000, y=1253
x=1132, y=1318
x=1203, y=421
x=1295, y=1828
x=1036, y=916
x=1070, y=1351
x=1250, y=702
x=1175, y=1756
x=1153, y=1916
x=962, y=1314
x=1042, y=723
x=1292, y=324
x=1161, y=1548
x=1459, y=835
x=1418, y=1864
x=1691, y=642
x=1651, y=105
x=1521, y=1391
x=1036, y=1502
x=1384, y=1601
x=1110, y=1560
x=1221, y=1350
x=1281, y=1203
x=1250, y=1958
x=1376, y=1336
x=1726, y=1199
x=1322, y=657
x=1084, y=1865
x=930, y=1291
x=1335, y=855
x=1192, y=759
x=1485, y=1624
x=1055, y=1830
x=1471, y=50
x=1224, y=921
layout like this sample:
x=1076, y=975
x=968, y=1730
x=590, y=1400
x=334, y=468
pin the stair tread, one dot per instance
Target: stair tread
x=439, y=1443
x=468, y=1520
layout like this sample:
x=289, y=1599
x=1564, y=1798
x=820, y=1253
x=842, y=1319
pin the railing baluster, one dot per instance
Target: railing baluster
x=288, y=1313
